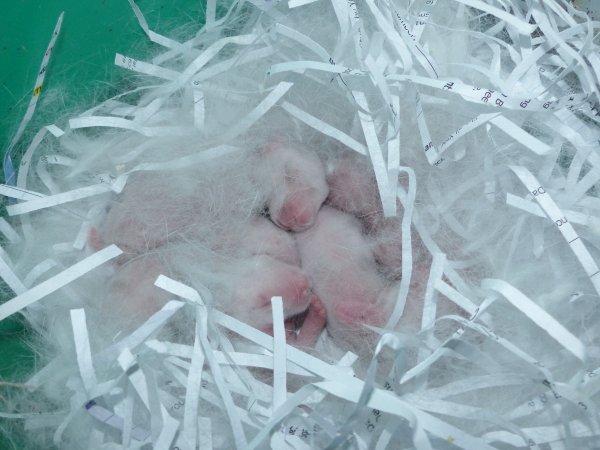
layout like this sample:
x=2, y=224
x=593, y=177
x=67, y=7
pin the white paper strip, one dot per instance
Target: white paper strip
x=566, y=229
x=381, y=175
x=265, y=105
x=279, y=354
x=58, y=199
x=520, y=135
x=520, y=25
x=304, y=360
x=19, y=193
x=296, y=3
x=154, y=37
x=324, y=128
x=119, y=122
x=149, y=327
x=82, y=348
x=8, y=166
x=407, y=259
x=189, y=433
x=544, y=320
x=234, y=419
x=387, y=402
x=11, y=279
x=146, y=68
x=237, y=358
x=9, y=232
x=37, y=271
x=114, y=421
x=58, y=281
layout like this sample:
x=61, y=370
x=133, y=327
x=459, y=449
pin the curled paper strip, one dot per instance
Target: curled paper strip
x=9, y=171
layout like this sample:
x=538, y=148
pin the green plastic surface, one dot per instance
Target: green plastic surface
x=81, y=73
x=82, y=62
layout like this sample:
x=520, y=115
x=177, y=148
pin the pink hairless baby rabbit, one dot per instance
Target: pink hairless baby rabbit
x=353, y=189
x=294, y=182
x=324, y=261
x=339, y=261
x=252, y=258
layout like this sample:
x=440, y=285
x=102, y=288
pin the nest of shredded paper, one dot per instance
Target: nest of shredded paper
x=480, y=119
